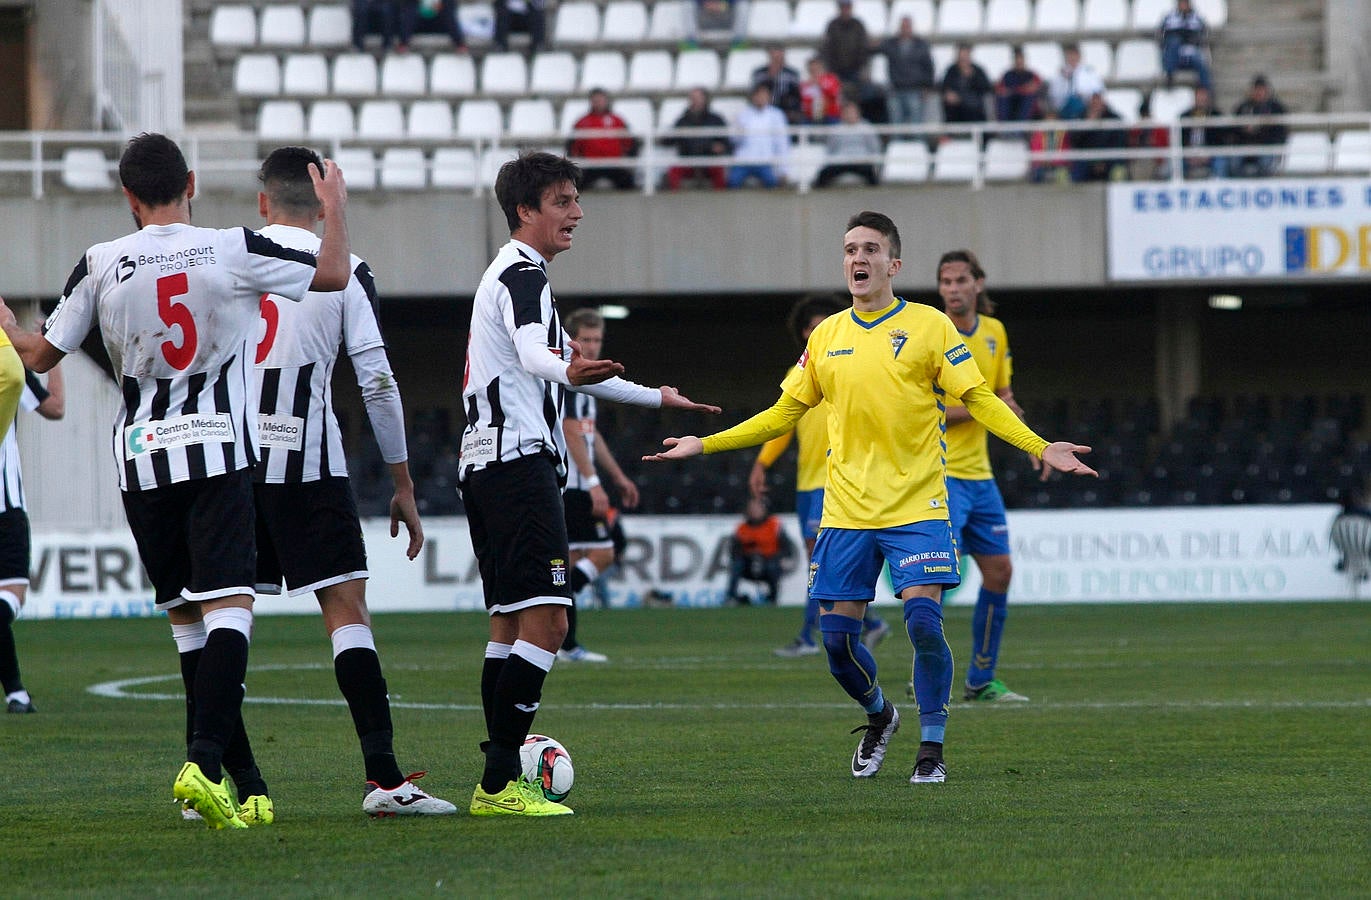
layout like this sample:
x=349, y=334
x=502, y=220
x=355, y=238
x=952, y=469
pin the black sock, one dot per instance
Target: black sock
x=190, y=661
x=358, y=670
x=248, y=781
x=569, y=642
x=9, y=657
x=240, y=764
x=218, y=698
x=490, y=676
x=515, y=703
x=577, y=580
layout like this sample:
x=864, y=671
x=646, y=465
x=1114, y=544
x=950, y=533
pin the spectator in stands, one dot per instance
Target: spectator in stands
x=1196, y=134
x=845, y=45
x=852, y=147
x=782, y=81
x=1260, y=102
x=1072, y=87
x=711, y=141
x=1016, y=96
x=715, y=14
x=602, y=145
x=760, y=141
x=520, y=15
x=1183, y=38
x=364, y=12
x=965, y=88
x=1101, y=139
x=1046, y=144
x=820, y=94
x=911, y=75
x=445, y=11
x=758, y=551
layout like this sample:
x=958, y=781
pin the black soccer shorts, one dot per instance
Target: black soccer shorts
x=583, y=530
x=309, y=534
x=14, y=547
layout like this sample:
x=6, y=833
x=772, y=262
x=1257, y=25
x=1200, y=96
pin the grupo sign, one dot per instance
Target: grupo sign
x=1240, y=229
x=1060, y=556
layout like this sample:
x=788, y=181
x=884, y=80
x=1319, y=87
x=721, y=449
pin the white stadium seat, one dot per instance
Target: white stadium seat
x=959, y=18
x=1126, y=102
x=729, y=107
x=906, y=162
x=1006, y=159
x=477, y=20
x=257, y=75
x=768, y=20
x=650, y=71
x=281, y=120
x=552, y=73
x=570, y=114
x=1137, y=59
x=330, y=26
x=331, y=120
x=1308, y=152
x=697, y=68
x=921, y=11
x=479, y=119
x=810, y=19
x=354, y=75
x=452, y=75
x=403, y=169
x=994, y=57
x=282, y=26
x=1214, y=12
x=741, y=63
x=625, y=22
x=1352, y=152
x=667, y=22
x=874, y=15
x=86, y=169
x=454, y=167
x=1007, y=16
x=577, y=22
x=532, y=118
x=798, y=58
x=1147, y=14
x=1044, y=57
x=404, y=75
x=879, y=70
x=233, y=26
x=492, y=160
x=603, y=69
x=504, y=75
x=944, y=55
x=1168, y=103
x=305, y=75
x=955, y=160
x=1104, y=15
x=637, y=113
x=1056, y=16
x=806, y=159
x=429, y=119
x=669, y=111
x=381, y=120
x=359, y=168
x=1099, y=55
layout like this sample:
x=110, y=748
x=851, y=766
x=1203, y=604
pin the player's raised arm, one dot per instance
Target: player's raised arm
x=759, y=429
x=35, y=351
x=995, y=415
x=335, y=253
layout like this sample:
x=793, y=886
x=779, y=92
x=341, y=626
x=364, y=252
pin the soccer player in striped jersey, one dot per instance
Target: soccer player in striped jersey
x=49, y=401
x=177, y=308
x=885, y=367
x=513, y=463
x=308, y=531
x=979, y=523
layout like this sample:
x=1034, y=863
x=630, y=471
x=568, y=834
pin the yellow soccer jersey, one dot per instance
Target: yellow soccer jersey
x=812, y=454
x=884, y=376
x=967, y=453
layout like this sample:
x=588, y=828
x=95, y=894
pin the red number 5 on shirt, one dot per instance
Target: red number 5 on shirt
x=178, y=356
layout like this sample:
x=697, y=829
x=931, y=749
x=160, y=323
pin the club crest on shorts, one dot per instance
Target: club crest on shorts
x=898, y=337
x=559, y=573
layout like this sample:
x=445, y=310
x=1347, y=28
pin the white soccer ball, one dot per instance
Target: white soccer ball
x=547, y=764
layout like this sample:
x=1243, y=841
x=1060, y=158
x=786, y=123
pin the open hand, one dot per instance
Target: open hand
x=1061, y=456
x=329, y=186
x=674, y=399
x=590, y=371
x=678, y=448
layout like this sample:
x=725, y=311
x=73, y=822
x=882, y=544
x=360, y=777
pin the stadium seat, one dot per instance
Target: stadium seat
x=257, y=75
x=603, y=69
x=577, y=22
x=305, y=75
x=729, y=107
x=454, y=167
x=359, y=166
x=354, y=75
x=625, y=22
x=906, y=162
x=477, y=20
x=1168, y=103
x=233, y=26
x=649, y=71
x=1137, y=60
x=452, y=75
x=381, y=120
x=403, y=169
x=404, y=75
x=669, y=111
x=667, y=21
x=532, y=118
x=1006, y=159
x=1308, y=152
x=1044, y=57
x=552, y=73
x=86, y=169
x=1099, y=55
x=921, y=11
x=479, y=119
x=739, y=66
x=331, y=120
x=504, y=75
x=429, y=119
x=637, y=113
x=1148, y=14
x=1352, y=152
x=282, y=120
x=282, y=26
x=955, y=160
x=875, y=15
x=1007, y=16
x=1126, y=102
x=697, y=68
x=994, y=57
x=959, y=18
x=491, y=161
x=1214, y=12
x=768, y=20
x=944, y=55
x=1104, y=15
x=810, y=19
x=570, y=113
x=806, y=159
x=879, y=70
x=330, y=26
x=798, y=58
x=1056, y=16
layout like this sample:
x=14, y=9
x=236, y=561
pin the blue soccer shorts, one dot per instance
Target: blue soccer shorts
x=809, y=509
x=847, y=561
x=978, y=518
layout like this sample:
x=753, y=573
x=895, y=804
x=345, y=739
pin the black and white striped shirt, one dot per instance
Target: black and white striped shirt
x=10, y=475
x=581, y=409
x=178, y=309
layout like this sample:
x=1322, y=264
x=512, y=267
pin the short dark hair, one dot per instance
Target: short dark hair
x=806, y=308
x=285, y=179
x=882, y=223
x=523, y=180
x=585, y=317
x=153, y=169
x=984, y=304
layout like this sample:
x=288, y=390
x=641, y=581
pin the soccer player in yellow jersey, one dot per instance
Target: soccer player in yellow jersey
x=885, y=368
x=979, y=523
x=11, y=383
x=811, y=436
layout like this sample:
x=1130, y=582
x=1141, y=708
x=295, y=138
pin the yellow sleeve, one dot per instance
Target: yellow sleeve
x=999, y=419
x=772, y=449
x=11, y=384
x=767, y=424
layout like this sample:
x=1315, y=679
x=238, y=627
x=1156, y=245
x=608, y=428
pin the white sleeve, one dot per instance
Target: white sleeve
x=536, y=357
x=381, y=395
x=361, y=330
x=621, y=390
x=74, y=316
x=271, y=268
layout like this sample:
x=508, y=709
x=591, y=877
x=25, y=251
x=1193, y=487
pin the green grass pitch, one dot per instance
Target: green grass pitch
x=1168, y=751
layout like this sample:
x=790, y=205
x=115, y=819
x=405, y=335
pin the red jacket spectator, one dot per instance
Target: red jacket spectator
x=820, y=94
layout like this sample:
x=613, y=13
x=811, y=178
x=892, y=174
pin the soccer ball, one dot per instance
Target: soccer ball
x=547, y=764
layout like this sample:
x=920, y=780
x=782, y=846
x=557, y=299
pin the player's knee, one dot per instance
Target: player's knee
x=924, y=621
x=602, y=558
x=996, y=572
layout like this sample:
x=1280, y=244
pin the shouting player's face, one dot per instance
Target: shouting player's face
x=959, y=289
x=548, y=228
x=867, y=263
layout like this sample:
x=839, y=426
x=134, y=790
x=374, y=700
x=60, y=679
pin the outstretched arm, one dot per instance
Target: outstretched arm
x=764, y=426
x=995, y=415
x=34, y=350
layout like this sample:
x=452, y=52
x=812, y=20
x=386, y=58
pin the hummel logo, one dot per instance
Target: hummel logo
x=528, y=708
